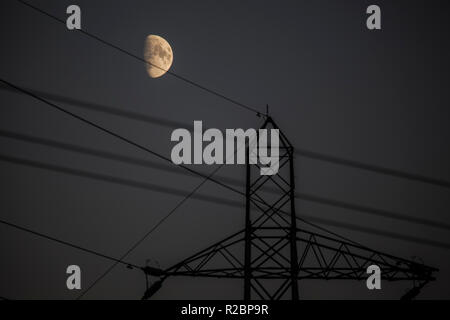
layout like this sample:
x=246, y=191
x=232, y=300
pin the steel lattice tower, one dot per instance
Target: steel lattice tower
x=271, y=254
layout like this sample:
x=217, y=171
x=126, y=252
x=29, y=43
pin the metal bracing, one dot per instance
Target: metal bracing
x=271, y=254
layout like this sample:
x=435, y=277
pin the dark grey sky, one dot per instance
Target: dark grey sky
x=333, y=87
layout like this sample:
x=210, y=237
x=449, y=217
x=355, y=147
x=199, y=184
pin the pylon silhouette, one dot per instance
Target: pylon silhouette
x=272, y=254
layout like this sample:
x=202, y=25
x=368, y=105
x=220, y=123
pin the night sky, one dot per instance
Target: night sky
x=333, y=87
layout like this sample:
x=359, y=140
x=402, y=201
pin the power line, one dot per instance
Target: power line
x=372, y=211
x=179, y=204
x=234, y=182
x=298, y=151
x=90, y=151
x=130, y=142
x=102, y=108
x=206, y=178
x=115, y=180
x=373, y=168
x=65, y=243
x=378, y=232
x=137, y=243
x=137, y=184
x=155, y=227
x=82, y=119
x=116, y=135
x=184, y=79
x=302, y=152
x=237, y=204
x=138, y=58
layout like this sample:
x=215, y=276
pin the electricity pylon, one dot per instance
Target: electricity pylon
x=272, y=253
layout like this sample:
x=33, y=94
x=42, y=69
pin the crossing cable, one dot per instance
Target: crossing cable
x=206, y=178
x=132, y=143
x=138, y=58
x=113, y=179
x=116, y=135
x=306, y=153
x=298, y=151
x=373, y=168
x=125, y=139
x=159, y=223
x=120, y=137
x=223, y=201
x=145, y=236
x=230, y=181
x=128, y=53
x=101, y=128
x=66, y=243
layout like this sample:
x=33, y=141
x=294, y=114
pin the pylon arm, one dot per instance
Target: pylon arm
x=321, y=257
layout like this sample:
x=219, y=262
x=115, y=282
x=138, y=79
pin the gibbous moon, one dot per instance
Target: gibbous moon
x=158, y=54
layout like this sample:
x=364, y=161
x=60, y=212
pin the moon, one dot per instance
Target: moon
x=158, y=54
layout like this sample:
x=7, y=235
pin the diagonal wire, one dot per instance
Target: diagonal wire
x=116, y=135
x=182, y=78
x=112, y=133
x=320, y=157
x=145, y=236
x=236, y=204
x=298, y=151
x=302, y=152
x=206, y=178
x=230, y=181
x=373, y=168
x=65, y=243
x=158, y=224
x=382, y=233
x=141, y=185
x=126, y=139
x=138, y=58
x=114, y=180
x=192, y=171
